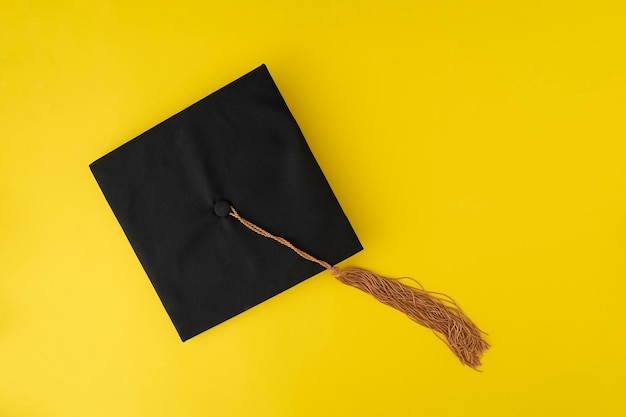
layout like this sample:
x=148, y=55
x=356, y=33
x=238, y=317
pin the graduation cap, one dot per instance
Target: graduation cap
x=226, y=207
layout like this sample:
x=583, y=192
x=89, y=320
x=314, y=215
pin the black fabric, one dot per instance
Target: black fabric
x=239, y=145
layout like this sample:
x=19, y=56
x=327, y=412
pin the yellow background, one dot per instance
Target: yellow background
x=477, y=146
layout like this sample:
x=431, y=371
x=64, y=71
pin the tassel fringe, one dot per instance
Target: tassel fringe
x=432, y=310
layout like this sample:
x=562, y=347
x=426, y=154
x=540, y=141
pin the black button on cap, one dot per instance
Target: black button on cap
x=222, y=208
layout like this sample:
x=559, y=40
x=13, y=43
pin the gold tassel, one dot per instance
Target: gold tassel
x=436, y=311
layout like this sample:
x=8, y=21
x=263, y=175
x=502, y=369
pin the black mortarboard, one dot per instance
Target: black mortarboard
x=179, y=189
